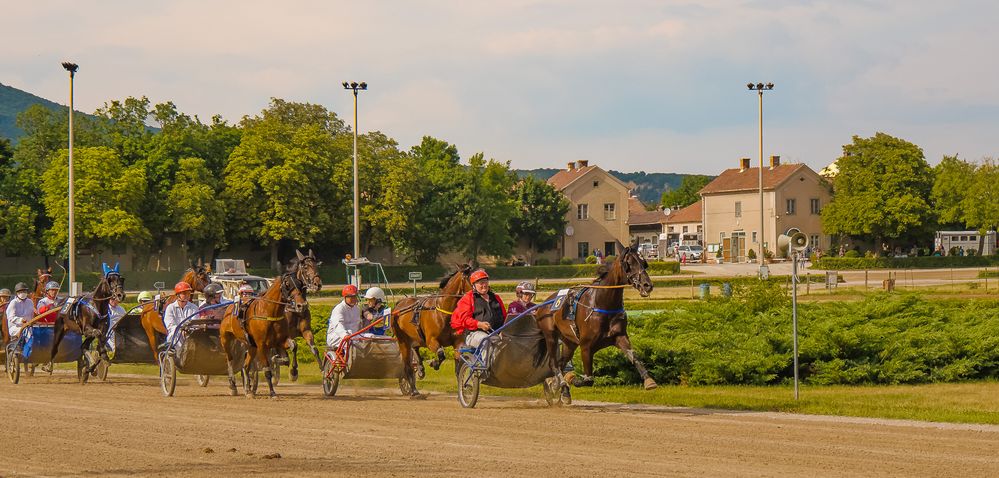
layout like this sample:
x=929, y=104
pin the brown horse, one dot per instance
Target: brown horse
x=305, y=268
x=151, y=314
x=42, y=277
x=426, y=322
x=260, y=326
x=593, y=316
x=89, y=316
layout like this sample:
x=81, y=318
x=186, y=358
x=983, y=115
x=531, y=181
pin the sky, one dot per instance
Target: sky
x=658, y=86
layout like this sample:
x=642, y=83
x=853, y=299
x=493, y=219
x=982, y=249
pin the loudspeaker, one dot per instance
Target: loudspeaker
x=797, y=241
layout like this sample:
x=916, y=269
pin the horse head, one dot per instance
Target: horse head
x=198, y=275
x=113, y=282
x=292, y=293
x=457, y=283
x=634, y=268
x=306, y=270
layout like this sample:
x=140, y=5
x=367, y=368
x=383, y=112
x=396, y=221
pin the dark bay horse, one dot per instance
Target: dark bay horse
x=260, y=326
x=593, y=316
x=89, y=315
x=426, y=322
x=305, y=268
x=151, y=312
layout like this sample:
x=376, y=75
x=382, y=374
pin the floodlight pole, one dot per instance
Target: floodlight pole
x=355, y=86
x=760, y=88
x=794, y=315
x=71, y=68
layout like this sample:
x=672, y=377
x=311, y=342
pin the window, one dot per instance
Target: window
x=596, y=183
x=972, y=238
x=685, y=229
x=672, y=229
x=790, y=207
x=738, y=209
x=721, y=237
x=582, y=212
x=584, y=250
x=813, y=242
x=754, y=236
x=700, y=228
x=610, y=213
x=814, y=202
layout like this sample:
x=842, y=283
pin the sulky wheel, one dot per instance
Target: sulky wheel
x=13, y=366
x=468, y=385
x=168, y=374
x=331, y=381
x=203, y=380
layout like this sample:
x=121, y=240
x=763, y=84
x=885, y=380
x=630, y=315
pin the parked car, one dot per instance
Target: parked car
x=231, y=273
x=693, y=253
x=649, y=250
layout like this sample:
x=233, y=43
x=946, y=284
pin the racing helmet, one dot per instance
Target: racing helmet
x=375, y=293
x=212, y=290
x=145, y=296
x=245, y=289
x=4, y=292
x=181, y=287
x=349, y=291
x=478, y=275
x=21, y=287
x=525, y=288
x=52, y=285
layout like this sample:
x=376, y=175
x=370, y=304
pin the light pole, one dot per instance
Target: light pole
x=355, y=86
x=760, y=88
x=71, y=68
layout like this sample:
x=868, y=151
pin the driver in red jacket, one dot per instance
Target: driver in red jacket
x=479, y=311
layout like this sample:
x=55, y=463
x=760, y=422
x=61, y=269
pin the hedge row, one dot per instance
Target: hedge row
x=925, y=262
x=885, y=339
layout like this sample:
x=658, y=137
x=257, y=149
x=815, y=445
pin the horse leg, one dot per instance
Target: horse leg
x=227, y=347
x=624, y=343
x=408, y=375
x=58, y=331
x=435, y=346
x=293, y=355
x=268, y=361
x=249, y=367
x=586, y=352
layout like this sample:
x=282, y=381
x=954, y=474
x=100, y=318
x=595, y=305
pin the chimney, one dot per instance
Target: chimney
x=774, y=161
x=582, y=163
x=572, y=165
x=744, y=164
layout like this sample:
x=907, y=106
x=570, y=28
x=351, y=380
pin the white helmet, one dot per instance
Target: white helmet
x=375, y=293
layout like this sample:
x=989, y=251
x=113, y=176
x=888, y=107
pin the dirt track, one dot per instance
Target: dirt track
x=57, y=428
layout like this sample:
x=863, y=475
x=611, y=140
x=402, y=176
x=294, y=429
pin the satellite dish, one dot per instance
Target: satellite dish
x=569, y=230
x=667, y=211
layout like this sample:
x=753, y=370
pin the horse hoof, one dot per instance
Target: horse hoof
x=273, y=395
x=233, y=393
x=583, y=382
x=421, y=374
x=294, y=374
x=650, y=384
x=418, y=396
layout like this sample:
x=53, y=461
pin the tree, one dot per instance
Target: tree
x=107, y=197
x=488, y=208
x=17, y=218
x=434, y=226
x=389, y=190
x=193, y=206
x=881, y=191
x=280, y=181
x=981, y=203
x=125, y=127
x=687, y=193
x=950, y=185
x=540, y=216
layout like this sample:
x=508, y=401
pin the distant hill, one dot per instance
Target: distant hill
x=14, y=101
x=649, y=187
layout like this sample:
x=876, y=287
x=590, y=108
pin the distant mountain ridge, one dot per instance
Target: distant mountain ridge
x=14, y=101
x=649, y=187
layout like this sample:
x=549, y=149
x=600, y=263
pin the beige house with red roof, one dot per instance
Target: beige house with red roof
x=793, y=196
x=598, y=212
x=686, y=226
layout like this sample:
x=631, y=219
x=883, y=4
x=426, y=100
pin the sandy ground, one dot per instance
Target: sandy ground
x=55, y=427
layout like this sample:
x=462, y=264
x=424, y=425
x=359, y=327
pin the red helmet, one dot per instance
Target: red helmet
x=478, y=275
x=181, y=287
x=349, y=291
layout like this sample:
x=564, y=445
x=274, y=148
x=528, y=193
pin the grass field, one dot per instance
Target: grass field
x=976, y=402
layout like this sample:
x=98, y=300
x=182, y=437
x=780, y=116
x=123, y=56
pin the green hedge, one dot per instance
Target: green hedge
x=885, y=339
x=926, y=262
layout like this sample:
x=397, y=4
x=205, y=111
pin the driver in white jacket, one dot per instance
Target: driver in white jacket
x=20, y=310
x=345, y=318
x=179, y=310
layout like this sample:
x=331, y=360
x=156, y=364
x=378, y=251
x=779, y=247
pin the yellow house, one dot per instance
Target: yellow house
x=598, y=212
x=793, y=197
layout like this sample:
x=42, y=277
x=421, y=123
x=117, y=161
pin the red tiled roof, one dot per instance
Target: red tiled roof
x=565, y=177
x=691, y=213
x=732, y=180
x=638, y=215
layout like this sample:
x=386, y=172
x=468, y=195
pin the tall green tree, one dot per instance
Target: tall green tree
x=125, y=127
x=279, y=181
x=195, y=210
x=435, y=226
x=687, y=193
x=388, y=189
x=540, y=216
x=881, y=192
x=950, y=185
x=17, y=217
x=488, y=208
x=107, y=197
x=981, y=202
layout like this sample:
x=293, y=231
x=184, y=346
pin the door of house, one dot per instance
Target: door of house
x=727, y=249
x=738, y=246
x=610, y=249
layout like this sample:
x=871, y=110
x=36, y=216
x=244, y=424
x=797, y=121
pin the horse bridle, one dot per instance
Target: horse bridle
x=312, y=285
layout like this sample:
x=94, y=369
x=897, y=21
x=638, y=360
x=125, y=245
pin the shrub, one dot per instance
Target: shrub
x=609, y=259
x=924, y=262
x=566, y=261
x=542, y=262
x=852, y=253
x=751, y=254
x=591, y=259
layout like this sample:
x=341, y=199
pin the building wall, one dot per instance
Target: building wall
x=719, y=217
x=596, y=231
x=803, y=187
